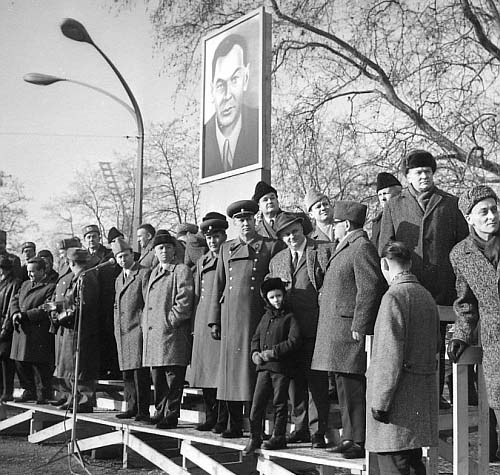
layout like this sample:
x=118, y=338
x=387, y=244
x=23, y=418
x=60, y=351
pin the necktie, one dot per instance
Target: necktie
x=295, y=260
x=226, y=156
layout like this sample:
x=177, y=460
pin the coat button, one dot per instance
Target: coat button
x=252, y=288
x=150, y=328
x=255, y=268
x=231, y=278
x=256, y=260
x=253, y=278
x=230, y=287
x=230, y=268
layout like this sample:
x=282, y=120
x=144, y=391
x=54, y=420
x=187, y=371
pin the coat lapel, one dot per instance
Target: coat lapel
x=433, y=202
x=311, y=256
x=133, y=274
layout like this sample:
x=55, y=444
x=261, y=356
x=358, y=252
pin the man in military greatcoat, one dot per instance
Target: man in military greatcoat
x=236, y=308
x=301, y=266
x=206, y=350
x=349, y=301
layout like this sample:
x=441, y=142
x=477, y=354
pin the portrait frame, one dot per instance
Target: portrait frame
x=252, y=146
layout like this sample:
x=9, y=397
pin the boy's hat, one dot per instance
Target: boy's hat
x=272, y=284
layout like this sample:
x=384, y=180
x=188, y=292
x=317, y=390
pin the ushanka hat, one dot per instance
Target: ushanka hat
x=418, y=158
x=386, y=180
x=162, y=236
x=471, y=197
x=272, y=284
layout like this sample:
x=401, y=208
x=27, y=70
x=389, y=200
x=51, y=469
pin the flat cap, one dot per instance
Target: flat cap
x=78, y=254
x=119, y=245
x=418, y=158
x=272, y=284
x=184, y=228
x=386, y=180
x=242, y=208
x=3, y=236
x=312, y=197
x=28, y=244
x=212, y=222
x=262, y=188
x=351, y=210
x=6, y=263
x=113, y=233
x=471, y=197
x=285, y=219
x=91, y=228
x=69, y=242
x=162, y=236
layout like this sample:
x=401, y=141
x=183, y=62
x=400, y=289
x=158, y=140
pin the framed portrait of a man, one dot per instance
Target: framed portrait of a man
x=234, y=118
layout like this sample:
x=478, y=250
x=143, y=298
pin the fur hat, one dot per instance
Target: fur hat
x=385, y=180
x=162, y=236
x=469, y=198
x=418, y=158
x=261, y=189
x=272, y=284
x=184, y=228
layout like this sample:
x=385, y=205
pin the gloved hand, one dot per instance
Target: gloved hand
x=381, y=416
x=215, y=332
x=455, y=349
x=267, y=355
x=257, y=358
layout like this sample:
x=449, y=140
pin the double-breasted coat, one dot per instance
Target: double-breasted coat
x=237, y=308
x=166, y=323
x=478, y=302
x=8, y=288
x=402, y=373
x=33, y=342
x=206, y=350
x=129, y=304
x=430, y=235
x=349, y=301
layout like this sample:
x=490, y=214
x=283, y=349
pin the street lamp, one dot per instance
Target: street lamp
x=74, y=30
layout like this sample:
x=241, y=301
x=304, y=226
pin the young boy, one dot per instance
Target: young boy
x=275, y=340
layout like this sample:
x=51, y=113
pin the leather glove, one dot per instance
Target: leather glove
x=267, y=355
x=455, y=349
x=215, y=332
x=256, y=358
x=381, y=416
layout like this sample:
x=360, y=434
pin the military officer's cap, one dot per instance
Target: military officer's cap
x=28, y=244
x=241, y=208
x=213, y=222
x=78, y=254
x=350, y=210
x=91, y=228
x=69, y=242
x=283, y=220
x=119, y=245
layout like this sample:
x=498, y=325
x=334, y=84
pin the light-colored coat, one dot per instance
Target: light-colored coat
x=349, y=301
x=166, y=323
x=402, y=376
x=130, y=293
x=478, y=301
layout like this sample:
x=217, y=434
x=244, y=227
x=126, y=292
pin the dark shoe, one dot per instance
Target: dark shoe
x=42, y=401
x=166, y=424
x=341, y=448
x=232, y=434
x=206, y=426
x=125, y=415
x=156, y=418
x=275, y=443
x=298, y=436
x=444, y=405
x=59, y=402
x=84, y=409
x=354, y=452
x=252, y=445
x=142, y=418
x=7, y=398
x=218, y=429
x=318, y=441
x=26, y=397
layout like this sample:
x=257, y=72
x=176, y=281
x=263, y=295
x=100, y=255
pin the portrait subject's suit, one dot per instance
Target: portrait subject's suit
x=247, y=147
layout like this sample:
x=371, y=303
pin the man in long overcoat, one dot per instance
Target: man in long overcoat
x=130, y=286
x=402, y=387
x=206, y=350
x=349, y=301
x=166, y=329
x=32, y=344
x=236, y=309
x=301, y=266
x=429, y=222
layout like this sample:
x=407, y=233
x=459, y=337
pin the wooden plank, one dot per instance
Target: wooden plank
x=483, y=424
x=204, y=461
x=155, y=457
x=16, y=420
x=102, y=440
x=460, y=424
x=50, y=432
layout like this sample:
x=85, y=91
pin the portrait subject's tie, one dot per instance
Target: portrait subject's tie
x=226, y=156
x=295, y=260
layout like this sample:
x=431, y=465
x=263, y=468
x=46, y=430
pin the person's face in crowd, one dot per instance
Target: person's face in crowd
x=483, y=217
x=28, y=253
x=275, y=298
x=92, y=240
x=125, y=259
x=341, y=229
x=293, y=236
x=165, y=252
x=321, y=211
x=385, y=194
x=35, y=273
x=229, y=84
x=269, y=204
x=245, y=225
x=143, y=238
x=215, y=240
x=421, y=178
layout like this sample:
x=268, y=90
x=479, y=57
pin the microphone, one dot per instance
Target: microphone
x=109, y=262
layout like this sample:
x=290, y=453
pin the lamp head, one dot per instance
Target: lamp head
x=74, y=30
x=41, y=79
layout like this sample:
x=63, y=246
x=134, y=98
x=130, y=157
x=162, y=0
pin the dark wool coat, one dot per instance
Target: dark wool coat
x=33, y=342
x=430, y=235
x=86, y=287
x=237, y=307
x=402, y=376
x=129, y=304
x=166, y=322
x=349, y=301
x=8, y=288
x=478, y=301
x=376, y=223
x=206, y=350
x=303, y=301
x=148, y=257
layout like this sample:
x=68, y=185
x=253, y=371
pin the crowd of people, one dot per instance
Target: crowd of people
x=281, y=312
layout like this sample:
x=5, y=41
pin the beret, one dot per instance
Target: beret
x=262, y=188
x=6, y=263
x=27, y=244
x=351, y=210
x=183, y=228
x=283, y=220
x=418, y=158
x=120, y=245
x=69, y=242
x=91, y=228
x=78, y=254
x=162, y=236
x=469, y=198
x=213, y=221
x=312, y=197
x=272, y=284
x=385, y=180
x=113, y=233
x=45, y=253
x=242, y=208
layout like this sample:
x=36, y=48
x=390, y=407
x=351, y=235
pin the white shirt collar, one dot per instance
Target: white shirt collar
x=233, y=139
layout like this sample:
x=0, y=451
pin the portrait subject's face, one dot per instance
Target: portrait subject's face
x=421, y=178
x=229, y=84
x=385, y=194
x=483, y=217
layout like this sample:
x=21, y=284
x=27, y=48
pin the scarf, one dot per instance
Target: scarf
x=490, y=249
x=423, y=197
